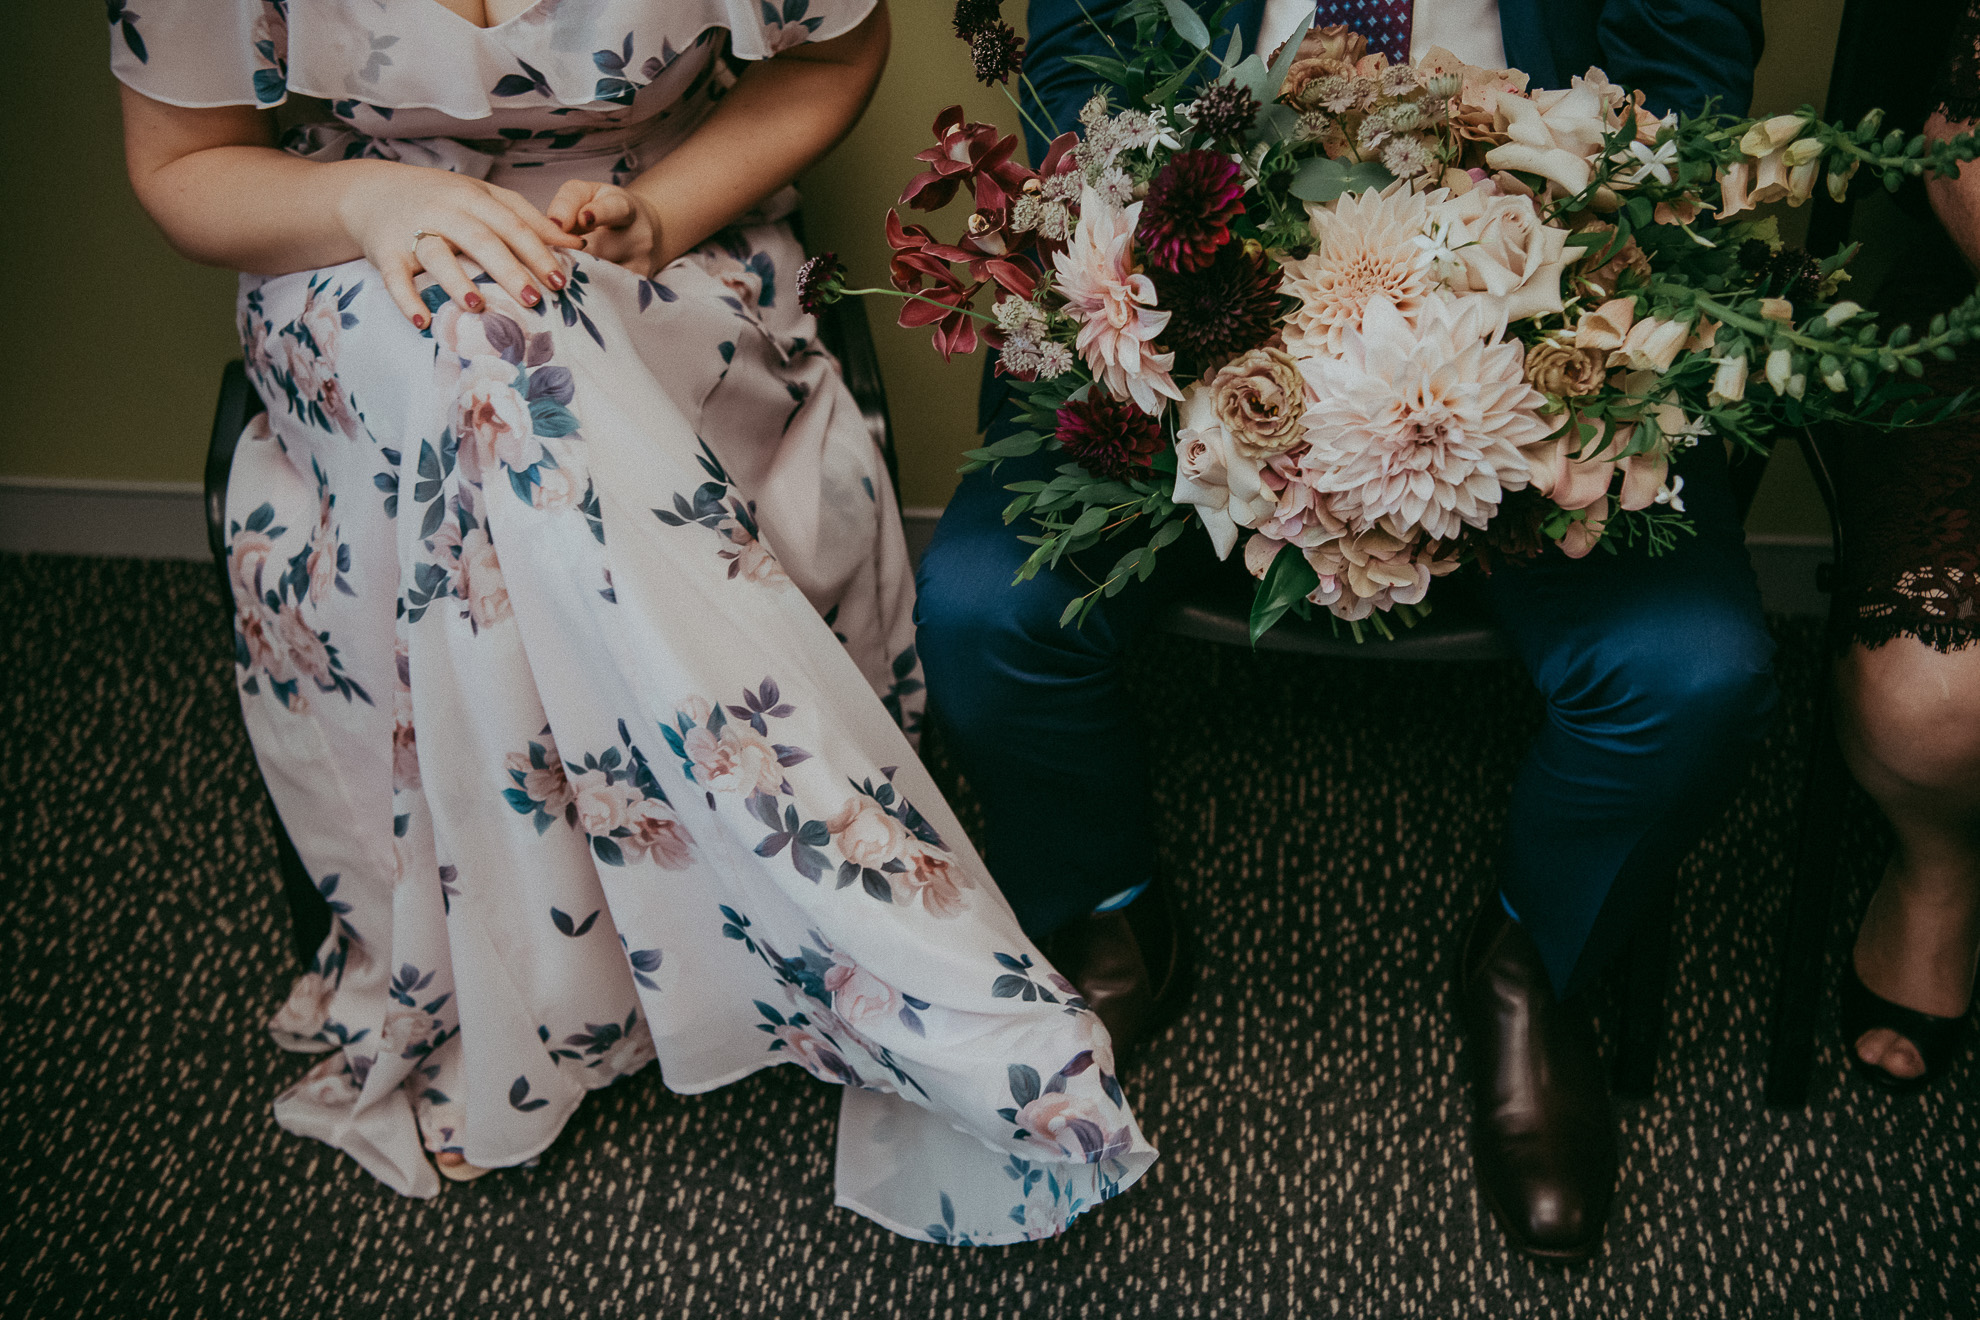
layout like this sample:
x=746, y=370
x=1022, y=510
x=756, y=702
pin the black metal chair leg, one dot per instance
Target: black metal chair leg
x=1643, y=1018
x=1799, y=993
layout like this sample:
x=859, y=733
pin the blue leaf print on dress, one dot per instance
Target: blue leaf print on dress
x=617, y=85
x=519, y=1097
x=719, y=507
x=126, y=20
x=522, y=84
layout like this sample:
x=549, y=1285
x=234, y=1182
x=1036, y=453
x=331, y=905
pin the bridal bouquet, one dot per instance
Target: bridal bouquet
x=1363, y=321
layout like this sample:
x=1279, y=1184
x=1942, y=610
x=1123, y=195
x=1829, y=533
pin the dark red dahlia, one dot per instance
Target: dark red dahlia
x=1217, y=313
x=998, y=52
x=1109, y=438
x=1191, y=203
x=972, y=16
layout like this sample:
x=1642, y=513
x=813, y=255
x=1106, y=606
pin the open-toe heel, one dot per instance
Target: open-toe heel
x=1937, y=1039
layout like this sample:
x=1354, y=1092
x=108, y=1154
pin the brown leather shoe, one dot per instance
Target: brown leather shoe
x=1131, y=966
x=1543, y=1137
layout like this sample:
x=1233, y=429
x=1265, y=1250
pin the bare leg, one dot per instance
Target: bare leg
x=1911, y=732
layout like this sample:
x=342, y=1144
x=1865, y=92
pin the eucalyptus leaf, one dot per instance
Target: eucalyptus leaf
x=1250, y=74
x=1233, y=52
x=1189, y=24
x=1090, y=520
x=1169, y=86
x=1322, y=180
x=1275, y=122
x=1112, y=70
x=1289, y=579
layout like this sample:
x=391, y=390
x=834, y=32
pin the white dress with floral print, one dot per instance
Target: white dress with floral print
x=575, y=646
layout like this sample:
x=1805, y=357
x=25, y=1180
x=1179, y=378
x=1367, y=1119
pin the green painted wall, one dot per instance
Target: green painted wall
x=111, y=345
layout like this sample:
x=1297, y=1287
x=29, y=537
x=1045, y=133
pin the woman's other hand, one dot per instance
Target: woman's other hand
x=408, y=220
x=612, y=223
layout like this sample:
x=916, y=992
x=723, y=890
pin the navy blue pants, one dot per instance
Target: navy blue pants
x=1657, y=676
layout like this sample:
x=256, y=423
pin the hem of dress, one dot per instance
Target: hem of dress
x=1014, y=1239
x=1945, y=638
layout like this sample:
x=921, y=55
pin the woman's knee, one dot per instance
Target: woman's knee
x=1912, y=716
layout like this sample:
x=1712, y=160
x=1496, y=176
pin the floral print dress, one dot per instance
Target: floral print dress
x=575, y=647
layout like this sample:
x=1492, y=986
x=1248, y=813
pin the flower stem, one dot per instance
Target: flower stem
x=1050, y=123
x=916, y=297
x=1024, y=113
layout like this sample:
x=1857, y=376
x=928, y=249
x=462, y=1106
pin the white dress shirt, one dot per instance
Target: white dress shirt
x=1468, y=29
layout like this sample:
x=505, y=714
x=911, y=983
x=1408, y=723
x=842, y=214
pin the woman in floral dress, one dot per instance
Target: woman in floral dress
x=574, y=631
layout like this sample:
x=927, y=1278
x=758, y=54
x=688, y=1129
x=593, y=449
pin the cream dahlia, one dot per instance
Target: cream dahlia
x=1115, y=305
x=1366, y=250
x=1420, y=428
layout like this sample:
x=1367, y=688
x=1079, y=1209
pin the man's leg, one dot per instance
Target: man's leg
x=1658, y=677
x=1658, y=681
x=1034, y=711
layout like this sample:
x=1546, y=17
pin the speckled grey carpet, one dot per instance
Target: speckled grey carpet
x=1310, y=1110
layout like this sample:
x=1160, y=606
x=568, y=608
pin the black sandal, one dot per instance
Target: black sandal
x=1937, y=1039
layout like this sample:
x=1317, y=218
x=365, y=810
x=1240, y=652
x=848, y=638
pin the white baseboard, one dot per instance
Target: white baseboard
x=167, y=520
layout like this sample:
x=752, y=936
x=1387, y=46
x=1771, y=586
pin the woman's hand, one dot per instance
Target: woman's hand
x=386, y=205
x=612, y=223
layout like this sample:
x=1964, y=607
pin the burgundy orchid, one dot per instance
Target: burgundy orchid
x=966, y=153
x=922, y=267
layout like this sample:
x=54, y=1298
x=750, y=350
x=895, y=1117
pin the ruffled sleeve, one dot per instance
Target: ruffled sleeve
x=202, y=52
x=759, y=29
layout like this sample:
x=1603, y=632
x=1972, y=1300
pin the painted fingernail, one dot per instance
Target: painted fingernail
x=588, y=219
x=473, y=302
x=555, y=279
x=419, y=321
x=530, y=297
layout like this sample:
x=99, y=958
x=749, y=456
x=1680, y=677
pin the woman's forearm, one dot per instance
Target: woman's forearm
x=224, y=196
x=781, y=116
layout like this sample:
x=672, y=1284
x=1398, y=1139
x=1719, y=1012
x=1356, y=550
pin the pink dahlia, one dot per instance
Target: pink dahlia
x=1115, y=305
x=1108, y=438
x=1187, y=215
x=1366, y=250
x=1420, y=429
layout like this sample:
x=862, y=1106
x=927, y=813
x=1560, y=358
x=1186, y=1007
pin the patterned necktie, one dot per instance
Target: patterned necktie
x=1384, y=22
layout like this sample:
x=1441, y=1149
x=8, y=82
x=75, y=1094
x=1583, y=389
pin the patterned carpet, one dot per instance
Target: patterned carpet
x=1310, y=1110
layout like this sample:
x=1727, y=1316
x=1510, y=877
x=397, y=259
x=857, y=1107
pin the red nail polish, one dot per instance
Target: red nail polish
x=530, y=297
x=588, y=219
x=473, y=302
x=555, y=280
x=419, y=321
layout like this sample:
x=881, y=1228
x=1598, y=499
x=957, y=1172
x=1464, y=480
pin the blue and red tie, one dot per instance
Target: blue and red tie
x=1384, y=22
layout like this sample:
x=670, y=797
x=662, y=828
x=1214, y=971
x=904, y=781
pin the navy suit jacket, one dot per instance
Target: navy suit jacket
x=1680, y=52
